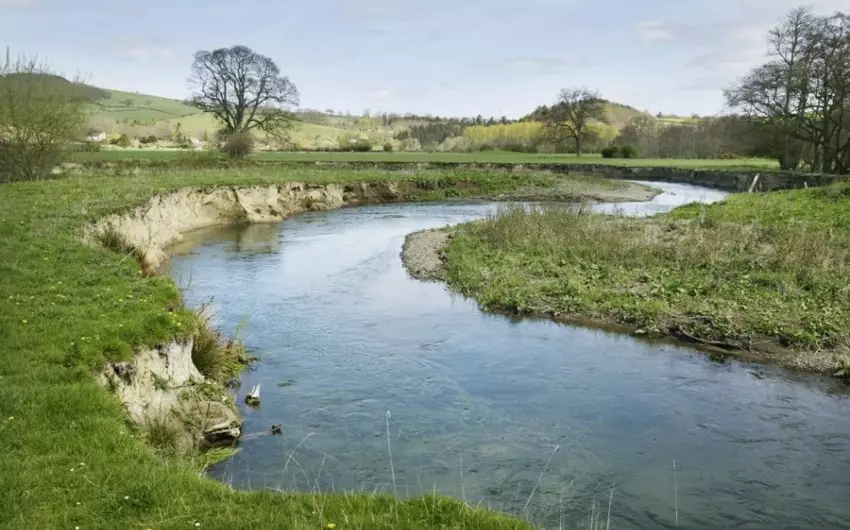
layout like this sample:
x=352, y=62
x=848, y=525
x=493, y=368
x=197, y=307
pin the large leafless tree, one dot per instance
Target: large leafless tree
x=570, y=117
x=243, y=90
x=804, y=91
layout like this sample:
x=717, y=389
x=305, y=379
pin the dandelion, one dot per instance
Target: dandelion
x=126, y=497
x=24, y=321
x=331, y=525
x=197, y=524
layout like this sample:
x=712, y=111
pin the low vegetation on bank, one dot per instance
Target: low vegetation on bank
x=764, y=275
x=70, y=456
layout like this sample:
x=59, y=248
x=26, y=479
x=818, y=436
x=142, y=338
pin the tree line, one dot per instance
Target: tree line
x=802, y=94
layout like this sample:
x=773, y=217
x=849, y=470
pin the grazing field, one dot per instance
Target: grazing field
x=763, y=275
x=70, y=457
x=118, y=105
x=496, y=157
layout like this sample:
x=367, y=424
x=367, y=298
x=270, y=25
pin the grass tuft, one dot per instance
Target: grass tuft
x=216, y=357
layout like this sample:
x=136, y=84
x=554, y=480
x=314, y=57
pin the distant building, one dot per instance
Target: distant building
x=100, y=137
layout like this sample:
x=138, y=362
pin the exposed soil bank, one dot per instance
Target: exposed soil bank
x=162, y=385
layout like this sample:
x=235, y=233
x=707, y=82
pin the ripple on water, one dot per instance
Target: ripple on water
x=492, y=409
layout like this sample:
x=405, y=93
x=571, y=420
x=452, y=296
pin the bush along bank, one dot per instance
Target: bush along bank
x=759, y=276
x=76, y=316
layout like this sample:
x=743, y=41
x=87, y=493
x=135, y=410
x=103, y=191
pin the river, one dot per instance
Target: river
x=529, y=417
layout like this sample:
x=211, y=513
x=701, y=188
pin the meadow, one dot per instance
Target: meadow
x=483, y=157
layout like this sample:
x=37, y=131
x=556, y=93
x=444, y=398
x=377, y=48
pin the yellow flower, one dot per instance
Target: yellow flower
x=331, y=525
x=24, y=321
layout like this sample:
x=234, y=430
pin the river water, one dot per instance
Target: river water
x=529, y=417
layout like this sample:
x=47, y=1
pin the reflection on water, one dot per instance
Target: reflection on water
x=491, y=409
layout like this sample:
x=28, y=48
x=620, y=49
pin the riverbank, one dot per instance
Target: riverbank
x=70, y=309
x=761, y=277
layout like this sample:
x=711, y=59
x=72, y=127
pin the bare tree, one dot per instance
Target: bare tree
x=804, y=91
x=41, y=113
x=243, y=90
x=570, y=116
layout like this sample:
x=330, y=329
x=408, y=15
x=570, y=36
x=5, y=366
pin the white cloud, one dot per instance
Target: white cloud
x=144, y=50
x=536, y=66
x=655, y=32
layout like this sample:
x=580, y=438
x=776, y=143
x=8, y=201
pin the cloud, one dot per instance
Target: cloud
x=655, y=32
x=141, y=49
x=537, y=66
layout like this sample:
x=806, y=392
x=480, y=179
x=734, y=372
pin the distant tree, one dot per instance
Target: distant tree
x=40, y=115
x=243, y=90
x=127, y=102
x=570, y=117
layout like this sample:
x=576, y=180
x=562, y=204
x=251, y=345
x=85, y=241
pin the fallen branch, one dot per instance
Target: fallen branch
x=677, y=331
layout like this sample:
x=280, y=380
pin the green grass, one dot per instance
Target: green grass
x=143, y=108
x=69, y=457
x=771, y=271
x=497, y=157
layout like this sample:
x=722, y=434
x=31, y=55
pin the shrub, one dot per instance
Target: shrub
x=88, y=147
x=388, y=147
x=121, y=141
x=41, y=115
x=147, y=140
x=610, y=152
x=239, y=145
x=361, y=146
x=628, y=151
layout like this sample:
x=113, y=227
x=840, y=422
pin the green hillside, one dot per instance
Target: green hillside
x=120, y=105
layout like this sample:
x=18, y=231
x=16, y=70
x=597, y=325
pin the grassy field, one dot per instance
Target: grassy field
x=70, y=459
x=498, y=157
x=766, y=275
x=128, y=105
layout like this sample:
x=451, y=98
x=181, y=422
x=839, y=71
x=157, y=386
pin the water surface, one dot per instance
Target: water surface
x=526, y=416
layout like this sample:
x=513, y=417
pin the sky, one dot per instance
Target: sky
x=440, y=57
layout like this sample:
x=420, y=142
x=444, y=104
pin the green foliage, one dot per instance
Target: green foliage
x=41, y=115
x=239, y=145
x=628, y=151
x=610, y=152
x=162, y=158
x=215, y=357
x=388, y=147
x=355, y=143
x=148, y=140
x=87, y=147
x=121, y=141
